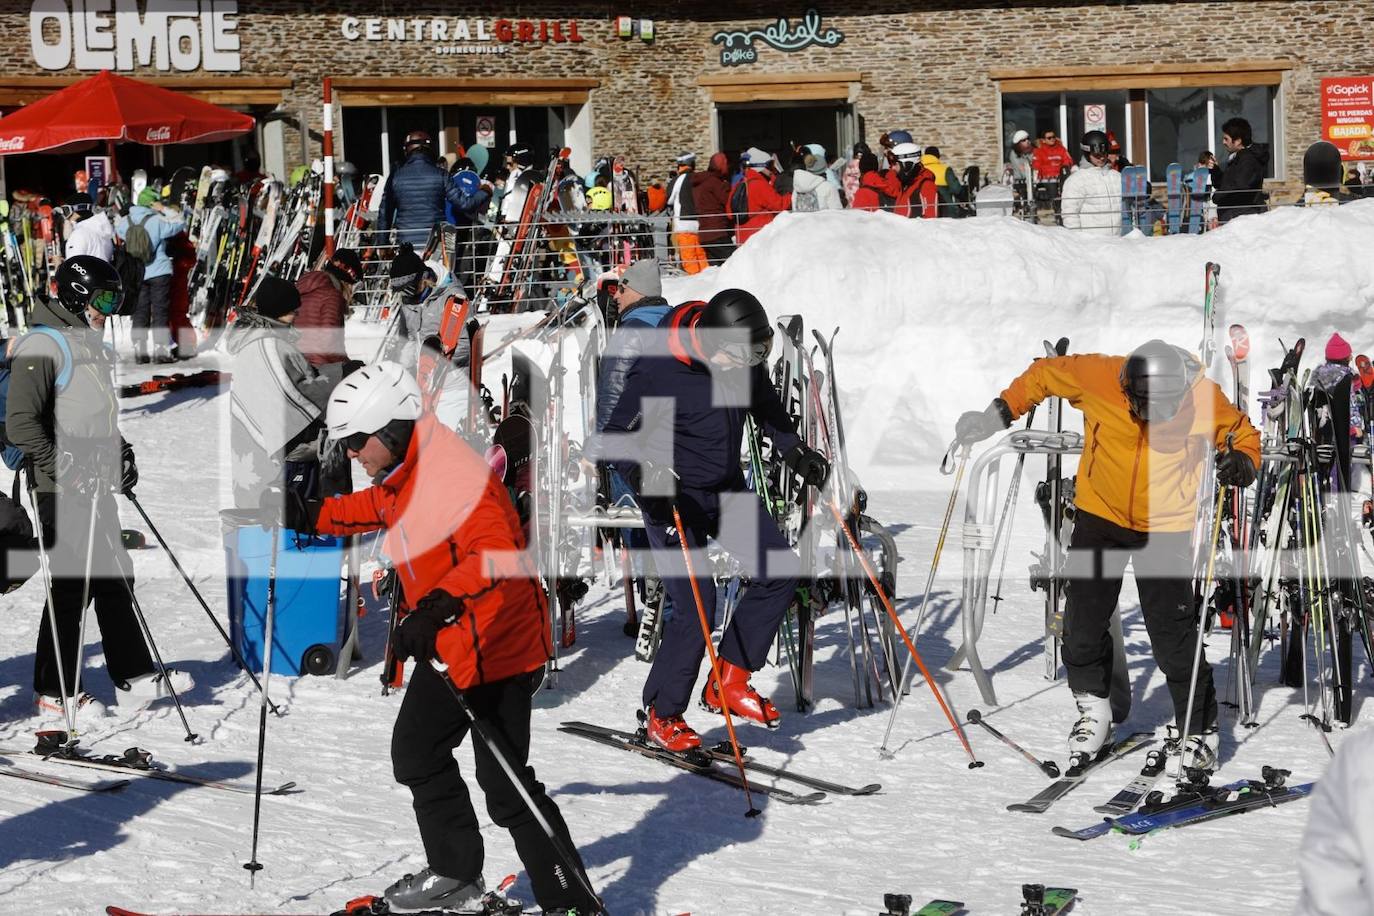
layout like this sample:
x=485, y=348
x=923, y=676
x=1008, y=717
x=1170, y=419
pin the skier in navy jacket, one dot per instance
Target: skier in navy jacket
x=686, y=410
x=415, y=195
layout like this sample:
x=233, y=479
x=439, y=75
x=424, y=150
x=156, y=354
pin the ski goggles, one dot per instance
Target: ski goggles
x=749, y=354
x=355, y=442
x=106, y=301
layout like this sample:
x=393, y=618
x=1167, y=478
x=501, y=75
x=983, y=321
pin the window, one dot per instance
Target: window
x=1032, y=112
x=1178, y=128
x=1255, y=104
x=1074, y=104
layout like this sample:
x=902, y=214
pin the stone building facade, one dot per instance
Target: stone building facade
x=650, y=80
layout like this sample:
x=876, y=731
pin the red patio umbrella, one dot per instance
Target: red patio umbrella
x=116, y=108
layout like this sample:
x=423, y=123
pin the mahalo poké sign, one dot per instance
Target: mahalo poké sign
x=741, y=46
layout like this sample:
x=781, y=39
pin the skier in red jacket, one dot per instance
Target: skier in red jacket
x=325, y=296
x=470, y=588
x=764, y=201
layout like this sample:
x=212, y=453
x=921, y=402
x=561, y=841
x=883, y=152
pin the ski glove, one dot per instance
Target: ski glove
x=808, y=464
x=977, y=425
x=299, y=513
x=1235, y=469
x=128, y=469
x=416, y=634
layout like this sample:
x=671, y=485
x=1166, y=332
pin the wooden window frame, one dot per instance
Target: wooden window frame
x=404, y=91
x=828, y=86
x=230, y=91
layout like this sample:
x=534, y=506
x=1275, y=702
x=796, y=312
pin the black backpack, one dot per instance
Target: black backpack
x=739, y=202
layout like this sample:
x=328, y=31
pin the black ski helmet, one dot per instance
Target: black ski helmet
x=1095, y=142
x=85, y=280
x=521, y=156
x=741, y=326
x=418, y=140
x=1321, y=166
x=1156, y=378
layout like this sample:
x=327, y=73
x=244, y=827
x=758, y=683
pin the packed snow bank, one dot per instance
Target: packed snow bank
x=938, y=315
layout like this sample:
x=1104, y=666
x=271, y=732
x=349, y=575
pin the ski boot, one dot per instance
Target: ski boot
x=430, y=890
x=671, y=733
x=1198, y=752
x=84, y=707
x=743, y=699
x=1039, y=900
x=896, y=905
x=1092, y=733
x=140, y=691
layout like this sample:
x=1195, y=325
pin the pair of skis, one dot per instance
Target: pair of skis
x=711, y=763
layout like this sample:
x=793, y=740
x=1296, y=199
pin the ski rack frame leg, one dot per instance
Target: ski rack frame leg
x=980, y=508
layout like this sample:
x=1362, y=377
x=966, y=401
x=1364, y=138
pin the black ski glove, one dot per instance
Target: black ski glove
x=657, y=489
x=300, y=514
x=128, y=469
x=1235, y=469
x=415, y=636
x=808, y=464
x=351, y=366
x=977, y=425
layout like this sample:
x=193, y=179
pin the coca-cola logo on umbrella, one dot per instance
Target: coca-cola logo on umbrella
x=11, y=144
x=156, y=134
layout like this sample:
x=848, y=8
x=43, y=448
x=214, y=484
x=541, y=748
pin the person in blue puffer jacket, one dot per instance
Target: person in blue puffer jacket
x=415, y=195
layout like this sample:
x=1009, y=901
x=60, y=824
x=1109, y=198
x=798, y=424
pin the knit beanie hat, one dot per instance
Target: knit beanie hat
x=406, y=267
x=643, y=277
x=276, y=297
x=1337, y=350
x=346, y=265
x=147, y=197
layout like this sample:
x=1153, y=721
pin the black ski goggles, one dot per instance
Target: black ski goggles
x=355, y=442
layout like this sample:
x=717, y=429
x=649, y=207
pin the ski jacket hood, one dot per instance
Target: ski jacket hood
x=827, y=193
x=1141, y=476
x=450, y=526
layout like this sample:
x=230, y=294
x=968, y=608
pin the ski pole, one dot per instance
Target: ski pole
x=930, y=583
x=253, y=865
x=68, y=708
x=1202, y=618
x=489, y=738
x=1048, y=767
x=128, y=577
x=715, y=663
x=974, y=762
x=238, y=656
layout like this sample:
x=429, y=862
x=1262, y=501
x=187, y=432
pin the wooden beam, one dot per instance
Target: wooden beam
x=372, y=99
x=1161, y=81
x=431, y=84
x=776, y=79
x=1153, y=69
x=813, y=92
x=242, y=91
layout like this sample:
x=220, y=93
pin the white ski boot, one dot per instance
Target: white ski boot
x=1093, y=730
x=138, y=692
x=84, y=707
x=1199, y=752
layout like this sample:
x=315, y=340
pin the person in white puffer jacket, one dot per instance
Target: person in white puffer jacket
x=1336, y=858
x=1092, y=194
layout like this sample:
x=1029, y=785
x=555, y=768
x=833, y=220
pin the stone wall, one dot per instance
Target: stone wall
x=925, y=64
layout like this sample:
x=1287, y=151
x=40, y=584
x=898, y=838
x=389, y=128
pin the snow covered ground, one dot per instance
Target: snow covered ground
x=936, y=317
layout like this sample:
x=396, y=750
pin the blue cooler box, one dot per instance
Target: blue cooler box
x=309, y=621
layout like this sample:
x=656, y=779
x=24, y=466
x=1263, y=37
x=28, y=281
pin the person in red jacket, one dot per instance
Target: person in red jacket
x=918, y=197
x=763, y=201
x=1051, y=159
x=474, y=604
x=711, y=193
x=878, y=189
x=325, y=296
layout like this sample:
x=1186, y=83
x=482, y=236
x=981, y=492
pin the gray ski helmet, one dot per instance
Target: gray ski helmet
x=1095, y=142
x=1156, y=380
x=1321, y=166
x=741, y=326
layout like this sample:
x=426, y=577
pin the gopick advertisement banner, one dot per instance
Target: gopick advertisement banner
x=1348, y=115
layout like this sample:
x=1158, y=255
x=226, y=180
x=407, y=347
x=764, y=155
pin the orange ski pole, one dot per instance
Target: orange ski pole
x=715, y=663
x=897, y=622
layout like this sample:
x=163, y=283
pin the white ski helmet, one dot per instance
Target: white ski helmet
x=370, y=398
x=1019, y=136
x=907, y=151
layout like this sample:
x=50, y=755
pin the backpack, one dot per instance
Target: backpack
x=739, y=202
x=10, y=453
x=137, y=241
x=805, y=201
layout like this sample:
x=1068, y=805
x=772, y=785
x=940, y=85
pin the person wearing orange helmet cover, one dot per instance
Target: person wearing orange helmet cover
x=1150, y=420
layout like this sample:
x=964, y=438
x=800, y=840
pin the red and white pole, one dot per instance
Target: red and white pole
x=328, y=150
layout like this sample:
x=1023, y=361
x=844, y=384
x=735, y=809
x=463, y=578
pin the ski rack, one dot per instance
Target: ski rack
x=617, y=517
x=979, y=530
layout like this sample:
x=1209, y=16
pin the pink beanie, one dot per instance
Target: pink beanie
x=1337, y=350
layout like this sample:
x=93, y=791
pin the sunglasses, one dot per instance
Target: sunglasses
x=106, y=301
x=354, y=442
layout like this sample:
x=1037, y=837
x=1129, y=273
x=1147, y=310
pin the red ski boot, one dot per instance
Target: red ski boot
x=671, y=733
x=744, y=700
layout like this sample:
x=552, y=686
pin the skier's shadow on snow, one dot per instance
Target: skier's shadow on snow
x=89, y=822
x=667, y=839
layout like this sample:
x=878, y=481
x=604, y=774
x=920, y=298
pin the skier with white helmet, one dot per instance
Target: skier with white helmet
x=474, y=617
